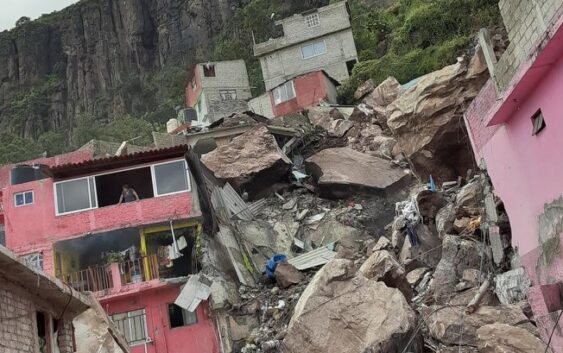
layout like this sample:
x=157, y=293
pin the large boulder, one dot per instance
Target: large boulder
x=445, y=323
x=338, y=170
x=427, y=119
x=502, y=338
x=383, y=266
x=385, y=93
x=364, y=89
x=458, y=255
x=342, y=313
x=250, y=162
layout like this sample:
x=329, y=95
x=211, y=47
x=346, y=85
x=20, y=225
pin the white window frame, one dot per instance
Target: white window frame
x=24, y=203
x=313, y=45
x=153, y=177
x=34, y=260
x=90, y=187
x=313, y=20
x=228, y=95
x=128, y=316
x=277, y=93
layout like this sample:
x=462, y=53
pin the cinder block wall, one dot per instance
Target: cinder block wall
x=526, y=22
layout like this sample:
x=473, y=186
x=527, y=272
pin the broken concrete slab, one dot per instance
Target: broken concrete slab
x=502, y=338
x=446, y=325
x=382, y=266
x=287, y=275
x=342, y=313
x=512, y=287
x=250, y=162
x=339, y=170
x=332, y=231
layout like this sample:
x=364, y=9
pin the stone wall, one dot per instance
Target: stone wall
x=526, y=22
x=18, y=327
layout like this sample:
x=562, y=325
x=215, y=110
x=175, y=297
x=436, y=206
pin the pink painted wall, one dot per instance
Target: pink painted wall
x=191, y=94
x=527, y=173
x=198, y=338
x=310, y=89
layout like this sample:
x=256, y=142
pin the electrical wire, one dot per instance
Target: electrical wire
x=552, y=332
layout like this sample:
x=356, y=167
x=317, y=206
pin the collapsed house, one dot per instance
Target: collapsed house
x=41, y=314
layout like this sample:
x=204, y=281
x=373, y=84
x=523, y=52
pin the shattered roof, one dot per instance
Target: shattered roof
x=40, y=285
x=114, y=162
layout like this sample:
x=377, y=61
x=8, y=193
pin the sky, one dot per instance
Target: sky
x=12, y=10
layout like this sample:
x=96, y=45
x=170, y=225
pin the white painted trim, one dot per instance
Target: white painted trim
x=23, y=193
x=153, y=174
x=57, y=213
x=313, y=44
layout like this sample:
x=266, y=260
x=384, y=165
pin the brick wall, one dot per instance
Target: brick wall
x=17, y=327
x=479, y=133
x=526, y=22
x=65, y=338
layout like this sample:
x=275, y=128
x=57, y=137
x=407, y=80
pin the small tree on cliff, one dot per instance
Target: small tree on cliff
x=23, y=20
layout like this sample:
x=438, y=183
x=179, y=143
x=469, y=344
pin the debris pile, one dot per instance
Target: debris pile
x=363, y=229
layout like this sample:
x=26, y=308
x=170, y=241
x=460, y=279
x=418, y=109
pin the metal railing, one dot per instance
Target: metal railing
x=139, y=270
x=92, y=279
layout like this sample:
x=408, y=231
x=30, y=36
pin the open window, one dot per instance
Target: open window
x=180, y=317
x=109, y=186
x=538, y=123
x=209, y=70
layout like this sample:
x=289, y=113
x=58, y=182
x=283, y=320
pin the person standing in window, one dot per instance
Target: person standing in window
x=128, y=194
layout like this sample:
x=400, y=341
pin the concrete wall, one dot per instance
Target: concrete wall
x=262, y=105
x=18, y=330
x=527, y=175
x=286, y=63
x=526, y=21
x=200, y=338
x=221, y=109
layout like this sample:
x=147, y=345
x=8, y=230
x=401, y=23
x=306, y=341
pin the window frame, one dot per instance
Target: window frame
x=538, y=119
x=90, y=188
x=183, y=318
x=228, y=93
x=312, y=44
x=146, y=331
x=285, y=86
x=24, y=193
x=153, y=177
x=39, y=256
x=93, y=177
x=313, y=20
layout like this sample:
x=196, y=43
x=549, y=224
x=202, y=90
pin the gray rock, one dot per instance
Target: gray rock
x=512, y=287
x=287, y=275
x=339, y=171
x=382, y=266
x=502, y=338
x=364, y=89
x=445, y=220
x=428, y=252
x=469, y=195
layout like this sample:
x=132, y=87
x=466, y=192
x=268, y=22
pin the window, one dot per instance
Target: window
x=133, y=325
x=312, y=20
x=180, y=317
x=313, y=49
x=538, y=123
x=209, y=70
x=75, y=195
x=170, y=178
x=34, y=261
x=23, y=198
x=284, y=92
x=228, y=95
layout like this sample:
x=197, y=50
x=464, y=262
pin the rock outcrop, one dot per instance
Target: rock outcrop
x=502, y=338
x=250, y=161
x=427, y=119
x=337, y=170
x=340, y=312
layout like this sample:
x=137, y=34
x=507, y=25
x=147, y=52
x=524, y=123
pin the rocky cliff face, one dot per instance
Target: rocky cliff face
x=95, y=56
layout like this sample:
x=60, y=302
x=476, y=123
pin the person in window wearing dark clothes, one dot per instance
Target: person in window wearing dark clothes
x=128, y=195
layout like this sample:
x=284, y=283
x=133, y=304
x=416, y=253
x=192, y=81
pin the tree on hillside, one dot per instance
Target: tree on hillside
x=23, y=20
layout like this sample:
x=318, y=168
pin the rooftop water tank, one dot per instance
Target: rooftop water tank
x=25, y=173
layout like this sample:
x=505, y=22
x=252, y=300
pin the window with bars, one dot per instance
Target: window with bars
x=228, y=95
x=312, y=20
x=133, y=325
x=284, y=92
x=34, y=261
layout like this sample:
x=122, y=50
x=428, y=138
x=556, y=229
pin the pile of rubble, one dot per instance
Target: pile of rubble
x=363, y=229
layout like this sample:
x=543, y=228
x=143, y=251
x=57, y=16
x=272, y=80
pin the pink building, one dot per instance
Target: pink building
x=62, y=215
x=516, y=128
x=302, y=92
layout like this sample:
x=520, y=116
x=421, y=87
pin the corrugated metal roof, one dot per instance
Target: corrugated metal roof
x=105, y=163
x=313, y=258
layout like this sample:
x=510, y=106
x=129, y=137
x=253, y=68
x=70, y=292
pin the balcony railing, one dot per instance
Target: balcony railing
x=114, y=275
x=139, y=270
x=92, y=279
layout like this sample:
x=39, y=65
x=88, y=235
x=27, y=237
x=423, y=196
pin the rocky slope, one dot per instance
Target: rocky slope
x=96, y=58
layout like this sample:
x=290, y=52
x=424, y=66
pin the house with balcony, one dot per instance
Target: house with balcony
x=218, y=89
x=516, y=130
x=311, y=44
x=63, y=215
